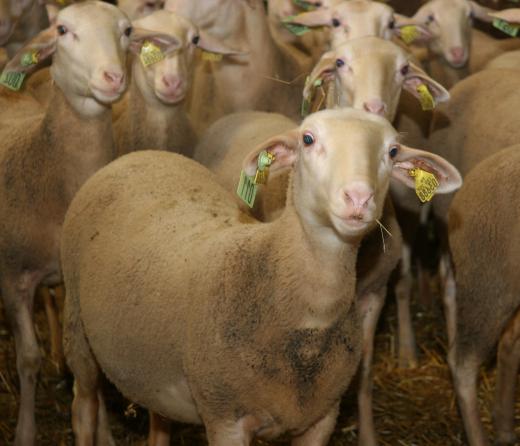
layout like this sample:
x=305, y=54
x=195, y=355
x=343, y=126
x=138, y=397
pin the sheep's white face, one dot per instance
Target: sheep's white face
x=169, y=79
x=10, y=11
x=344, y=169
x=359, y=18
x=91, y=40
x=136, y=9
x=450, y=22
x=343, y=161
x=370, y=74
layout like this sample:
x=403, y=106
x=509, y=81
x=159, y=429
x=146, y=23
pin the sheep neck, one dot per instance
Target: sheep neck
x=82, y=145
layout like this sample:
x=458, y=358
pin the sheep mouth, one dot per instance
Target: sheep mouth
x=107, y=96
x=171, y=98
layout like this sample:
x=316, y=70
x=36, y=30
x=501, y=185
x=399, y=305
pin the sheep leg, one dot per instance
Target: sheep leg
x=371, y=305
x=237, y=433
x=320, y=433
x=507, y=368
x=159, y=434
x=403, y=292
x=465, y=379
x=18, y=302
x=449, y=297
x=52, y=312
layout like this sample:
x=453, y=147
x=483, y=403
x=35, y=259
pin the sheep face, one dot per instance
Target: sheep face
x=370, y=74
x=450, y=22
x=169, y=79
x=343, y=162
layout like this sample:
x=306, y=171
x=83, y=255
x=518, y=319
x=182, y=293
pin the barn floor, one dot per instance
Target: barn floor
x=412, y=407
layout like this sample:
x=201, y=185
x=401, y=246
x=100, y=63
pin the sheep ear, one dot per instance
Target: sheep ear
x=410, y=30
x=507, y=15
x=415, y=78
x=29, y=58
x=481, y=12
x=163, y=41
x=407, y=159
x=210, y=44
x=284, y=147
x=320, y=17
x=323, y=71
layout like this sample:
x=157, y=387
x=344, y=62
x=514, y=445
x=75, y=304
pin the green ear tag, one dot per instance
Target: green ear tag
x=212, y=57
x=265, y=159
x=150, y=53
x=12, y=80
x=294, y=28
x=426, y=184
x=425, y=97
x=30, y=58
x=409, y=33
x=506, y=27
x=247, y=189
x=306, y=6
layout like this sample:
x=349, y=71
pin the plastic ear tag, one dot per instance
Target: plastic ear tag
x=150, y=53
x=426, y=184
x=307, y=100
x=212, y=57
x=425, y=97
x=506, y=27
x=306, y=6
x=12, y=80
x=30, y=58
x=265, y=159
x=409, y=33
x=246, y=189
x=294, y=28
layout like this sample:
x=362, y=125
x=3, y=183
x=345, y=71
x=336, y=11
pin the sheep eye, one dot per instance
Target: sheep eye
x=405, y=70
x=335, y=23
x=339, y=63
x=62, y=30
x=430, y=19
x=195, y=40
x=308, y=139
x=393, y=151
x=391, y=25
x=128, y=31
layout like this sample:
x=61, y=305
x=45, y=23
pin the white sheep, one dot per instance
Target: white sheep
x=484, y=238
x=202, y=315
x=46, y=155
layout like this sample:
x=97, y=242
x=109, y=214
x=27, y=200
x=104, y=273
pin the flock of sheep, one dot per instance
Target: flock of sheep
x=237, y=283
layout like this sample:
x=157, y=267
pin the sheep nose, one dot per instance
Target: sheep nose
x=172, y=82
x=359, y=195
x=113, y=78
x=457, y=53
x=375, y=106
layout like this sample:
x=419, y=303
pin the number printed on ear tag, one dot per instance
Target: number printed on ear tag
x=150, y=53
x=409, y=33
x=247, y=189
x=425, y=97
x=426, y=184
x=506, y=27
x=212, y=57
x=12, y=80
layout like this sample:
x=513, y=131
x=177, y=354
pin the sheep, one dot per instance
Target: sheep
x=484, y=238
x=359, y=18
x=202, y=315
x=265, y=77
x=137, y=9
x=47, y=153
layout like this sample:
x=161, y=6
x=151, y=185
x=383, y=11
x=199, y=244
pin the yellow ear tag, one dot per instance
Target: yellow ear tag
x=150, y=53
x=246, y=189
x=265, y=159
x=426, y=184
x=409, y=33
x=425, y=97
x=211, y=57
